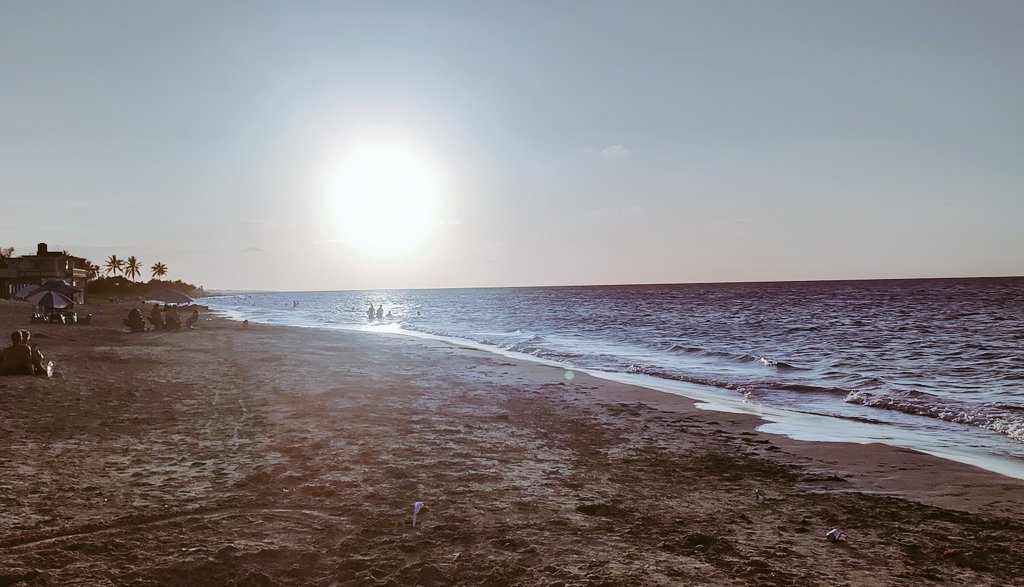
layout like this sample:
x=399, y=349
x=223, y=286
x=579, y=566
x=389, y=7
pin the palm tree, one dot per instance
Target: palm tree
x=92, y=269
x=158, y=269
x=132, y=268
x=113, y=265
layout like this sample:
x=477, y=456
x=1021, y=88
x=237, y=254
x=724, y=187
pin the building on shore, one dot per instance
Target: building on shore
x=45, y=265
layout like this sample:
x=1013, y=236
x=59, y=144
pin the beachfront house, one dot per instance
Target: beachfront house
x=45, y=265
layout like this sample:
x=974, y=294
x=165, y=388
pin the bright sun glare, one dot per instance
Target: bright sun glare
x=384, y=199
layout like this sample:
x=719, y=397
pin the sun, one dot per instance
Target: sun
x=384, y=199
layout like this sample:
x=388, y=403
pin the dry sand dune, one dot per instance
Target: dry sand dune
x=286, y=456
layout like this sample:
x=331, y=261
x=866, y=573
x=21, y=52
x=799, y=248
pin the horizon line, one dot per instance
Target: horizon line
x=216, y=291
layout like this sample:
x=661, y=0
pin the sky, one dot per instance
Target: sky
x=571, y=142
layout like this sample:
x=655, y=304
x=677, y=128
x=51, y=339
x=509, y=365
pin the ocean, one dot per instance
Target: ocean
x=936, y=365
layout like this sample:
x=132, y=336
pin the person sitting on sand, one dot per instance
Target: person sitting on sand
x=134, y=321
x=37, y=356
x=191, y=322
x=172, y=320
x=155, y=318
x=370, y=313
x=17, y=358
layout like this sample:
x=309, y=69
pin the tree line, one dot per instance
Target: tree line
x=130, y=267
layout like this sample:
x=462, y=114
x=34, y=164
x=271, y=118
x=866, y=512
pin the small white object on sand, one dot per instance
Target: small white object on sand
x=416, y=507
x=834, y=535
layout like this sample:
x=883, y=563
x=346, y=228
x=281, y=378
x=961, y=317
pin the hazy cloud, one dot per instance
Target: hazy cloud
x=615, y=152
x=605, y=212
x=252, y=250
x=618, y=151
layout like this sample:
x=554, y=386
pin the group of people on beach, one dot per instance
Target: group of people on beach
x=23, y=357
x=378, y=313
x=166, y=320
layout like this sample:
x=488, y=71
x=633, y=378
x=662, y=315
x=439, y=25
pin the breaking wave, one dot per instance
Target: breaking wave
x=989, y=417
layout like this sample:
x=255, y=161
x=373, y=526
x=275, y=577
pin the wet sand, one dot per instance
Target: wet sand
x=288, y=456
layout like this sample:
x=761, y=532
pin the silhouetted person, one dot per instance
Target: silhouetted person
x=17, y=358
x=369, y=313
x=380, y=312
x=191, y=322
x=155, y=318
x=134, y=321
x=37, y=356
x=172, y=320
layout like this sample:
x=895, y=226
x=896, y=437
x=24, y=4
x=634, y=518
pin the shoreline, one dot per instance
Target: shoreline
x=293, y=456
x=710, y=404
x=797, y=426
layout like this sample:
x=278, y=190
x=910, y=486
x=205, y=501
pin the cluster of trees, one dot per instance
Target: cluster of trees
x=118, y=277
x=130, y=267
x=118, y=285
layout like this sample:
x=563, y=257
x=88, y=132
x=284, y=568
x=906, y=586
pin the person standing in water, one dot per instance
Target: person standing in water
x=380, y=312
x=369, y=313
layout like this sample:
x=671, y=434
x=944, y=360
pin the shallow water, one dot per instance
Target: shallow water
x=937, y=359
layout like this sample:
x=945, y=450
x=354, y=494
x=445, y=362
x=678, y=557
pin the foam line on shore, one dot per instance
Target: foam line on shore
x=791, y=424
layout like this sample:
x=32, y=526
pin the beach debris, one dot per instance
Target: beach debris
x=416, y=507
x=834, y=535
x=759, y=495
x=569, y=375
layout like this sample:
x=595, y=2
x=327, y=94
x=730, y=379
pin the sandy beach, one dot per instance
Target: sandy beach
x=290, y=456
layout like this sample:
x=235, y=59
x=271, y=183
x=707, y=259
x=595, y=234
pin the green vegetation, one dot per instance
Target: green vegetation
x=115, y=285
x=113, y=265
x=158, y=269
x=121, y=286
x=132, y=268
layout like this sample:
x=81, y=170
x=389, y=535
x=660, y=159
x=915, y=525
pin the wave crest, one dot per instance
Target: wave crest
x=919, y=403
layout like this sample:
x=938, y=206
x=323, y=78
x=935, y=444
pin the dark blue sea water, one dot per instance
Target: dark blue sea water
x=933, y=364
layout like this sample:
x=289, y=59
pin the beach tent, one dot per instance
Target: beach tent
x=25, y=292
x=168, y=296
x=50, y=299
